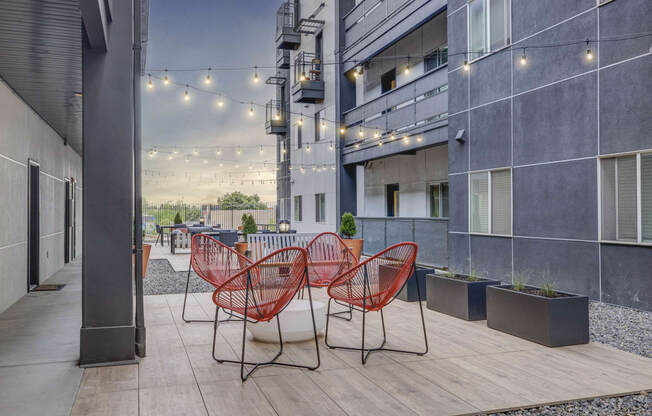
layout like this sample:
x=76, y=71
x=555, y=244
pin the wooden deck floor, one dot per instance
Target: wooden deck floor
x=470, y=369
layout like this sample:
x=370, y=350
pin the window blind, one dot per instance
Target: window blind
x=608, y=167
x=626, y=198
x=646, y=197
x=501, y=202
x=480, y=202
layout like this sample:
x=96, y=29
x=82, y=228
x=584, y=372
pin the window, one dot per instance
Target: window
x=489, y=26
x=392, y=200
x=298, y=208
x=320, y=207
x=490, y=198
x=438, y=200
x=317, y=127
x=626, y=198
x=388, y=81
x=299, y=133
x=436, y=59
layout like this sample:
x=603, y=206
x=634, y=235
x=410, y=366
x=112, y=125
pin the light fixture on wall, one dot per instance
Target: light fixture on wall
x=460, y=136
x=284, y=226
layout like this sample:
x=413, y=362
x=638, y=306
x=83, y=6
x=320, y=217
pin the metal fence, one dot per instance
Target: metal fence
x=163, y=214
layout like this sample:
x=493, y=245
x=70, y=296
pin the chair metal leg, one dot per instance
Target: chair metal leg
x=349, y=311
x=231, y=317
x=382, y=345
x=242, y=360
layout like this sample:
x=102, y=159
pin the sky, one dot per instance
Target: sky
x=200, y=34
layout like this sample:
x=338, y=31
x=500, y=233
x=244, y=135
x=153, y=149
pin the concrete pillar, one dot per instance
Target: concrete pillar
x=107, y=332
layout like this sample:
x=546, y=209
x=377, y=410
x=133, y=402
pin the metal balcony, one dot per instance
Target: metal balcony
x=286, y=36
x=308, y=84
x=275, y=117
x=283, y=58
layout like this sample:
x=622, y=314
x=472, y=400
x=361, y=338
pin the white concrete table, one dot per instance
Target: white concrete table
x=296, y=323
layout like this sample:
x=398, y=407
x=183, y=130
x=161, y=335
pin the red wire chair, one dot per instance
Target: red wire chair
x=329, y=257
x=372, y=285
x=214, y=262
x=259, y=293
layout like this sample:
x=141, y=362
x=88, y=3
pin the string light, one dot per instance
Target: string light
x=406, y=139
x=330, y=147
x=376, y=134
x=465, y=66
x=150, y=84
x=380, y=143
x=392, y=136
x=360, y=132
x=186, y=95
x=589, y=54
x=342, y=130
x=207, y=80
x=262, y=150
x=307, y=148
x=523, y=58
x=300, y=122
x=256, y=74
x=407, y=67
x=323, y=125
x=220, y=102
x=251, y=110
x=166, y=80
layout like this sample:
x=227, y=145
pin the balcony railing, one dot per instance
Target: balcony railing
x=286, y=21
x=431, y=234
x=408, y=108
x=275, y=122
x=308, y=85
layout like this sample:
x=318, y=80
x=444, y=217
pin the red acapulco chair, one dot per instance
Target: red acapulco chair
x=329, y=257
x=214, y=262
x=372, y=285
x=259, y=293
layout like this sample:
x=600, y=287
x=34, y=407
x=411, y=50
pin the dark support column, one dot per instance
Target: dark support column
x=107, y=332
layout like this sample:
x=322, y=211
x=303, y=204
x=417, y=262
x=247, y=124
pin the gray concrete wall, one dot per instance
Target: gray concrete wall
x=549, y=121
x=25, y=135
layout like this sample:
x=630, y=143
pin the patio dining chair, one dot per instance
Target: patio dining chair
x=261, y=292
x=214, y=262
x=329, y=257
x=372, y=285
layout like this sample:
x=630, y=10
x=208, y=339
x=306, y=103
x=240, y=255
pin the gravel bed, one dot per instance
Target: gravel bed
x=635, y=405
x=623, y=328
x=161, y=279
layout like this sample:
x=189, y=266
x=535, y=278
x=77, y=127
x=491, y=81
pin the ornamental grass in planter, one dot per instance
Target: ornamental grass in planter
x=458, y=295
x=539, y=314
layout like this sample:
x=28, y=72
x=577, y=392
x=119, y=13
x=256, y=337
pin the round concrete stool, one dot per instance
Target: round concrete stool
x=296, y=323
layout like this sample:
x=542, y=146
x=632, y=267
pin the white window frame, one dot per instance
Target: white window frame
x=294, y=208
x=489, y=201
x=639, y=211
x=441, y=205
x=487, y=37
x=322, y=212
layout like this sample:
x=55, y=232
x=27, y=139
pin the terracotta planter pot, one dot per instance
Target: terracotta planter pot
x=147, y=248
x=242, y=247
x=355, y=244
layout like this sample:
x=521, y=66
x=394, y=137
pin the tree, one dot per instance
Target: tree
x=177, y=219
x=238, y=200
x=347, y=226
x=249, y=225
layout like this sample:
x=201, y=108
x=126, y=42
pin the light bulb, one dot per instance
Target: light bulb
x=376, y=134
x=221, y=164
x=186, y=95
x=262, y=150
x=219, y=152
x=308, y=149
x=393, y=136
x=150, y=84
x=195, y=152
x=342, y=130
x=251, y=111
x=256, y=74
x=357, y=145
x=406, y=139
x=166, y=80
x=323, y=125
x=284, y=151
x=155, y=150
x=330, y=146
x=303, y=76
x=419, y=139
x=466, y=65
x=278, y=116
x=207, y=80
x=187, y=159
x=300, y=122
x=523, y=58
x=360, y=132
x=238, y=151
x=380, y=143
x=170, y=157
x=407, y=68
x=175, y=151
x=333, y=168
x=589, y=54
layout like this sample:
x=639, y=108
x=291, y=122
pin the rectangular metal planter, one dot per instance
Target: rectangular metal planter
x=409, y=291
x=462, y=299
x=553, y=322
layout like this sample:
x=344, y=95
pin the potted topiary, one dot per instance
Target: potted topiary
x=248, y=227
x=458, y=295
x=540, y=314
x=348, y=229
x=177, y=219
